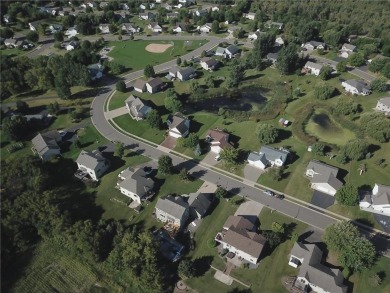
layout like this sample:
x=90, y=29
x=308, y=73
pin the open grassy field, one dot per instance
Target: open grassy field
x=133, y=55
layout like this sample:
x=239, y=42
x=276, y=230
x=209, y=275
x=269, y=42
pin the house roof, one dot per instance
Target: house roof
x=219, y=136
x=272, y=154
x=349, y=46
x=139, y=84
x=187, y=71
x=382, y=197
x=137, y=182
x=137, y=107
x=316, y=273
x=385, y=101
x=174, y=70
x=90, y=159
x=200, y=202
x=358, y=84
x=172, y=205
x=44, y=142
x=253, y=156
x=209, y=61
x=315, y=43
x=324, y=174
x=232, y=49
x=154, y=82
x=220, y=50
x=272, y=56
x=180, y=123
x=239, y=223
x=310, y=64
x=299, y=250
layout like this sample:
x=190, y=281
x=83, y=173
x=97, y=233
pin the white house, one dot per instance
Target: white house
x=205, y=28
x=140, y=85
x=71, y=32
x=136, y=108
x=104, y=28
x=267, y=156
x=218, y=140
x=154, y=85
x=186, y=74
x=92, y=164
x=129, y=28
x=143, y=6
x=54, y=28
x=356, y=87
x=171, y=15
x=72, y=45
x=45, y=145
x=239, y=237
x=279, y=42
x=178, y=126
x=313, y=276
x=136, y=184
x=313, y=68
x=270, y=24
x=347, y=50
x=250, y=15
x=378, y=202
x=186, y=2
x=383, y=105
x=155, y=27
x=172, y=209
x=220, y=52
x=323, y=177
x=313, y=45
x=208, y=63
x=178, y=28
x=147, y=16
x=231, y=51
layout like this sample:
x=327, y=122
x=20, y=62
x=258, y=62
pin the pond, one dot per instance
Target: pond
x=323, y=121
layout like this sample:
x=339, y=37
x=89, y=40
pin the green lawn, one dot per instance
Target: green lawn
x=118, y=100
x=140, y=128
x=133, y=55
x=12, y=52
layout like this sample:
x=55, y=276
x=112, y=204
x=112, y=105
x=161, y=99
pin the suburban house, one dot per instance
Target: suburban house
x=279, y=42
x=92, y=164
x=199, y=204
x=104, y=28
x=173, y=71
x=201, y=12
x=250, y=15
x=267, y=156
x=347, y=50
x=356, y=87
x=16, y=42
x=140, y=85
x=323, y=177
x=154, y=85
x=137, y=109
x=136, y=184
x=178, y=28
x=186, y=74
x=34, y=25
x=54, y=28
x=173, y=209
x=208, y=63
x=143, y=6
x=186, y=2
x=255, y=35
x=220, y=51
x=313, y=68
x=383, y=105
x=270, y=24
x=313, y=275
x=178, y=125
x=96, y=71
x=129, y=28
x=45, y=145
x=71, y=32
x=231, y=51
x=239, y=237
x=313, y=45
x=72, y=45
x=218, y=140
x=272, y=57
x=378, y=201
x=155, y=27
x=171, y=15
x=205, y=28
x=147, y=16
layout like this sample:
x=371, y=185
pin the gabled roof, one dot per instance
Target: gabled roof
x=315, y=43
x=154, y=82
x=232, y=49
x=324, y=174
x=349, y=46
x=385, y=101
x=139, y=84
x=44, y=142
x=90, y=159
x=172, y=205
x=382, y=197
x=253, y=156
x=239, y=223
x=272, y=154
x=219, y=136
x=187, y=71
x=137, y=182
x=220, y=50
x=180, y=123
x=358, y=84
x=200, y=202
x=211, y=62
x=174, y=70
x=310, y=64
x=137, y=107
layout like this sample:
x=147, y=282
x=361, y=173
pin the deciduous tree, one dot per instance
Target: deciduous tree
x=149, y=71
x=165, y=165
x=154, y=119
x=267, y=133
x=348, y=195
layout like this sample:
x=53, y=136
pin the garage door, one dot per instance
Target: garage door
x=324, y=189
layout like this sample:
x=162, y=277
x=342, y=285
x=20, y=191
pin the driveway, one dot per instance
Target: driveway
x=252, y=173
x=322, y=200
x=169, y=142
x=223, y=278
x=207, y=187
x=115, y=113
x=210, y=159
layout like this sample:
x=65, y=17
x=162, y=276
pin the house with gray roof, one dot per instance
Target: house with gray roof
x=239, y=237
x=186, y=74
x=208, y=63
x=137, y=109
x=231, y=51
x=179, y=126
x=378, y=201
x=173, y=71
x=347, y=50
x=154, y=85
x=91, y=164
x=383, y=105
x=313, y=68
x=173, y=209
x=199, y=204
x=323, y=177
x=356, y=87
x=313, y=275
x=220, y=51
x=312, y=45
x=45, y=145
x=272, y=57
x=147, y=16
x=268, y=157
x=270, y=24
x=95, y=71
x=139, y=85
x=104, y=28
x=129, y=28
x=136, y=184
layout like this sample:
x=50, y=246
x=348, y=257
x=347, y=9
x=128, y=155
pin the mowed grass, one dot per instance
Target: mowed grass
x=133, y=55
x=118, y=100
x=140, y=128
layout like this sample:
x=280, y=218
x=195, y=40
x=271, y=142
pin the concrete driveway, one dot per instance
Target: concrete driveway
x=207, y=187
x=252, y=173
x=169, y=142
x=210, y=159
x=223, y=278
x=117, y=112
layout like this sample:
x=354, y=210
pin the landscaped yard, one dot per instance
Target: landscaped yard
x=118, y=100
x=133, y=55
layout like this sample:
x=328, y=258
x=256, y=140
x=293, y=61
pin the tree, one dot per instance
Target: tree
x=165, y=165
x=149, y=71
x=376, y=125
x=355, y=251
x=230, y=155
x=355, y=149
x=32, y=36
x=53, y=108
x=379, y=85
x=348, y=195
x=22, y=107
x=346, y=106
x=186, y=269
x=15, y=128
x=273, y=238
x=154, y=119
x=209, y=81
x=6, y=33
x=357, y=59
x=120, y=86
x=191, y=141
x=178, y=61
x=173, y=104
x=215, y=27
x=341, y=66
x=262, y=46
x=275, y=174
x=221, y=192
x=62, y=87
x=203, y=54
x=238, y=33
x=376, y=65
x=288, y=59
x=323, y=91
x=184, y=175
x=267, y=133
x=318, y=149
x=119, y=149
x=326, y=73
x=236, y=74
x=386, y=70
x=58, y=36
x=77, y=143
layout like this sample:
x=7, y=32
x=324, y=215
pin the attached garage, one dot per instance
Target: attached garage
x=325, y=188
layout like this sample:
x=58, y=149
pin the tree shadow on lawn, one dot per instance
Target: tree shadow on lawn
x=195, y=126
x=255, y=76
x=34, y=93
x=202, y=265
x=85, y=93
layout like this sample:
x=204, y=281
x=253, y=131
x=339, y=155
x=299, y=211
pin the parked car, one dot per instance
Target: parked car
x=218, y=157
x=280, y=196
x=269, y=192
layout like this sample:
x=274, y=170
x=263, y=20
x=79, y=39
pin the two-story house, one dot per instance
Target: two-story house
x=92, y=164
x=313, y=68
x=137, y=109
x=378, y=201
x=383, y=105
x=347, y=50
x=323, y=177
x=173, y=209
x=45, y=145
x=268, y=156
x=178, y=125
x=186, y=74
x=218, y=140
x=154, y=85
x=208, y=63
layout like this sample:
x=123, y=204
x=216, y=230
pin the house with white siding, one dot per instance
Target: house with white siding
x=383, y=105
x=323, y=177
x=92, y=164
x=267, y=157
x=378, y=201
x=356, y=87
x=178, y=126
x=172, y=209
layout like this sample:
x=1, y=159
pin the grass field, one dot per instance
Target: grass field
x=118, y=100
x=133, y=55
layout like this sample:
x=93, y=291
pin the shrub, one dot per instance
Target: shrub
x=324, y=91
x=121, y=86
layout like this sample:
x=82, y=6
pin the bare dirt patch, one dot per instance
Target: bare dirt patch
x=157, y=48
